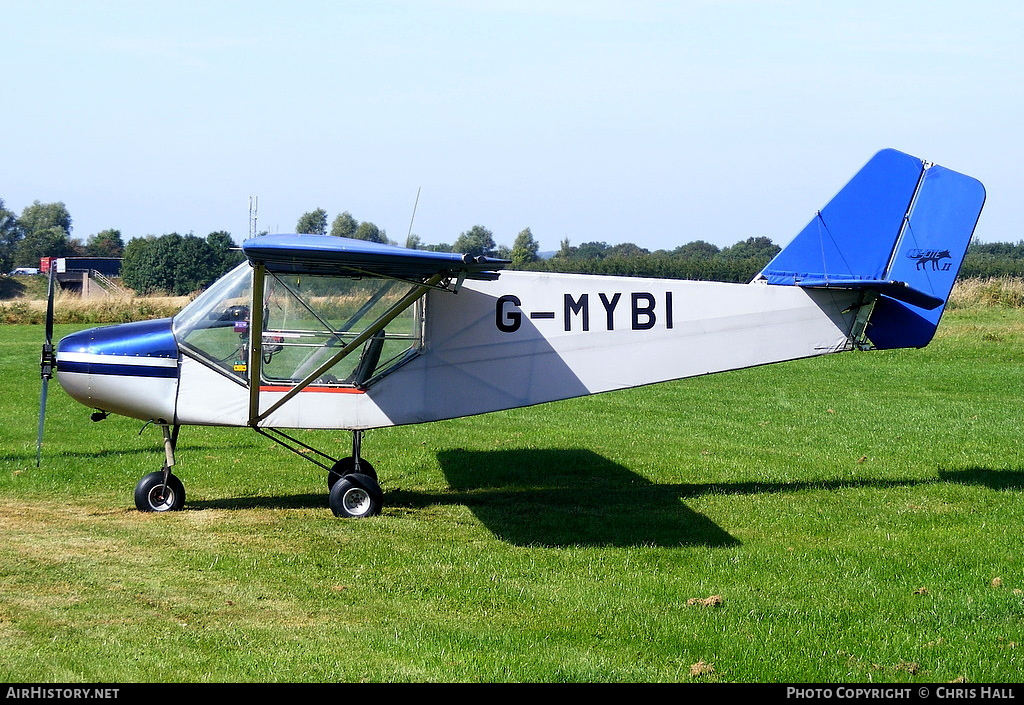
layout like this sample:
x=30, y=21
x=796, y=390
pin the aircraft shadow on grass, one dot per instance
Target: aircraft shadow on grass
x=1004, y=479
x=575, y=497
x=545, y=497
x=572, y=497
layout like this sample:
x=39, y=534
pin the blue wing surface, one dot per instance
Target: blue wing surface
x=327, y=254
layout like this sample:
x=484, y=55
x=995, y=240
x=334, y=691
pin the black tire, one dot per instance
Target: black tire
x=152, y=495
x=355, y=496
x=347, y=466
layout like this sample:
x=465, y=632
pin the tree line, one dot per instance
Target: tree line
x=181, y=264
x=694, y=260
x=177, y=264
x=988, y=260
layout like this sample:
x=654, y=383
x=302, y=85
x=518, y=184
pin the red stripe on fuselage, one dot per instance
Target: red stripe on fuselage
x=319, y=390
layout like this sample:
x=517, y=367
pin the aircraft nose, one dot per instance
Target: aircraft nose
x=129, y=369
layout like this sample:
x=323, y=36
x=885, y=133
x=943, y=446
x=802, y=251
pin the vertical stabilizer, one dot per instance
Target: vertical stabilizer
x=900, y=228
x=853, y=236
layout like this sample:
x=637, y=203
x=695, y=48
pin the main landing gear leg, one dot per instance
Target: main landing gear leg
x=352, y=481
x=355, y=492
x=161, y=491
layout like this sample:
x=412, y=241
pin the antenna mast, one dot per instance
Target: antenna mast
x=408, y=237
x=254, y=202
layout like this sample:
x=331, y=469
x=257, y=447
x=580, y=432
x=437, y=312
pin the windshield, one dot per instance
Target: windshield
x=307, y=319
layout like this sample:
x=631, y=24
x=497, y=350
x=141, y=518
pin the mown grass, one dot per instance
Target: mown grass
x=854, y=518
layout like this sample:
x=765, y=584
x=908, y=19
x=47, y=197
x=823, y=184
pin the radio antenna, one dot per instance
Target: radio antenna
x=408, y=237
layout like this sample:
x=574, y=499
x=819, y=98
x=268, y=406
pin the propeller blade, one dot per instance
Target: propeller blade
x=47, y=362
x=42, y=415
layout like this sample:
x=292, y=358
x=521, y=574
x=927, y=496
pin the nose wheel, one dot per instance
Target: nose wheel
x=162, y=491
x=159, y=492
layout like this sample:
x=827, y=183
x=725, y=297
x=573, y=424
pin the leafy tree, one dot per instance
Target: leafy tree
x=524, y=249
x=344, y=225
x=138, y=270
x=10, y=234
x=44, y=242
x=761, y=247
x=565, y=250
x=177, y=264
x=440, y=247
x=44, y=216
x=476, y=241
x=369, y=231
x=107, y=243
x=698, y=249
x=591, y=250
x=313, y=222
x=47, y=233
x=195, y=265
x=227, y=254
x=625, y=249
x=165, y=262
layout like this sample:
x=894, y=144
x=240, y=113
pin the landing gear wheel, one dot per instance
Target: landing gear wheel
x=347, y=466
x=153, y=495
x=355, y=496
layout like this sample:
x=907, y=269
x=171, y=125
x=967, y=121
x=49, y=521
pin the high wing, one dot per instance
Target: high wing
x=327, y=254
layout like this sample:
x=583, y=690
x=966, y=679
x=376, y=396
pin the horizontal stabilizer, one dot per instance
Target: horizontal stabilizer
x=897, y=290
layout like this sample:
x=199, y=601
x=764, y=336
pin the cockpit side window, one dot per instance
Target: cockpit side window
x=307, y=320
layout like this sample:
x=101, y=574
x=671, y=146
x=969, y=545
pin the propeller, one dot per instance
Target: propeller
x=47, y=363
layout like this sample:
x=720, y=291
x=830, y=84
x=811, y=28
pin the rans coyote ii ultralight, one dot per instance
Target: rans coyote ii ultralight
x=324, y=332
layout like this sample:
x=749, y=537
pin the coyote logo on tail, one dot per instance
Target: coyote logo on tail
x=923, y=257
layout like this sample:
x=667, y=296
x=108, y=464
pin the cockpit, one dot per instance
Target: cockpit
x=305, y=321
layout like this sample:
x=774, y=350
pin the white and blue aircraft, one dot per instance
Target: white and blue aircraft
x=320, y=332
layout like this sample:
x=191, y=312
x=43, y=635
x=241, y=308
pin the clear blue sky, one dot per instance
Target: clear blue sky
x=643, y=121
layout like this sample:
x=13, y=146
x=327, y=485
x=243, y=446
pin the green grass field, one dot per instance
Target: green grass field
x=854, y=518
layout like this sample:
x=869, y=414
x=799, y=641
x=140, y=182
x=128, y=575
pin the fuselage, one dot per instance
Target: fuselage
x=524, y=339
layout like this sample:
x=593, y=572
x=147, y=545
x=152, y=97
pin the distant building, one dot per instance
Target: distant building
x=107, y=266
x=90, y=276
